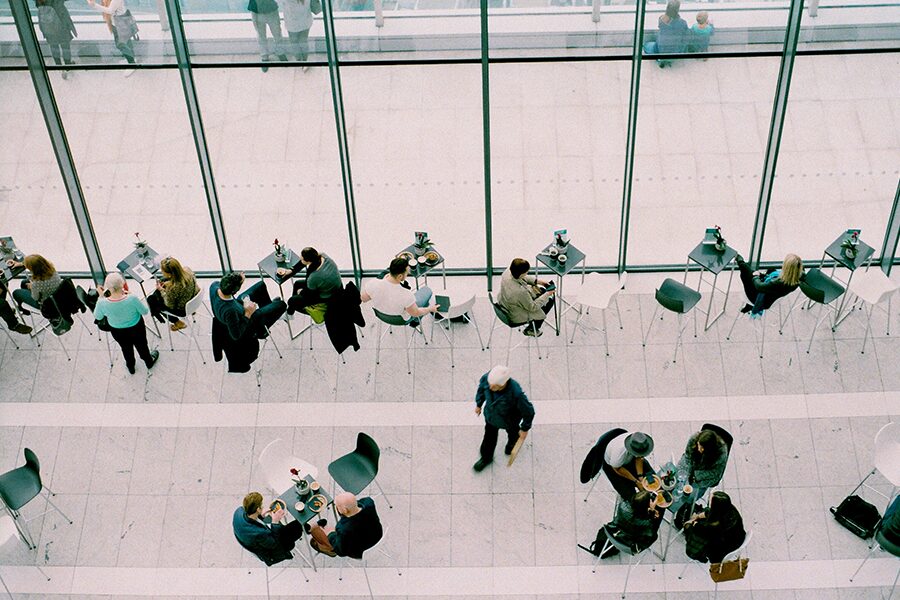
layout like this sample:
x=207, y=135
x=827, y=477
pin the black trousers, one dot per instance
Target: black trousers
x=131, y=339
x=268, y=311
x=288, y=534
x=157, y=306
x=489, y=443
x=747, y=281
x=546, y=308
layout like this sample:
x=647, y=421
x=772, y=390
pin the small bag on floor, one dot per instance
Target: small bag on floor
x=857, y=515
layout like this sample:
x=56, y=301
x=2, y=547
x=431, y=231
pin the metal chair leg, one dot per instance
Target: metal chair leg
x=733, y=323
x=11, y=339
x=592, y=485
x=816, y=326
x=605, y=334
x=875, y=547
x=477, y=330
x=274, y=343
x=378, y=345
x=509, y=345
x=537, y=343
x=652, y=319
x=869, y=326
x=381, y=491
x=408, y=341
x=491, y=335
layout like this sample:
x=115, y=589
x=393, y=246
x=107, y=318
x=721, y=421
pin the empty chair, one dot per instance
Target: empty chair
x=276, y=463
x=679, y=299
x=19, y=487
x=821, y=289
x=9, y=537
x=886, y=460
x=463, y=310
x=353, y=472
x=597, y=292
x=190, y=312
x=874, y=288
x=501, y=315
x=397, y=321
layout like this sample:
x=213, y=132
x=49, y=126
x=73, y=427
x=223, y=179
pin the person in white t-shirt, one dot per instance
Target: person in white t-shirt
x=391, y=298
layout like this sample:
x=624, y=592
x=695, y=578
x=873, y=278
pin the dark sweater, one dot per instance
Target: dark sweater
x=354, y=535
x=507, y=409
x=639, y=532
x=229, y=312
x=325, y=280
x=710, y=542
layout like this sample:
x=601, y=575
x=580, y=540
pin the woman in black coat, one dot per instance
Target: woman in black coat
x=763, y=290
x=636, y=522
x=714, y=532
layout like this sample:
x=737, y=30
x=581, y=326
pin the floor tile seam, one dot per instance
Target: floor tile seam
x=412, y=413
x=879, y=573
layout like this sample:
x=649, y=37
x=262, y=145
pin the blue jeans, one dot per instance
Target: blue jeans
x=423, y=298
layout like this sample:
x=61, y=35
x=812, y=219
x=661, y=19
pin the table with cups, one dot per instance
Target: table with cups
x=422, y=261
x=561, y=260
x=141, y=265
x=304, y=501
x=672, y=489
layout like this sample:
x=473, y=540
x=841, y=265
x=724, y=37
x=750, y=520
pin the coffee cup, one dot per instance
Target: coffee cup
x=314, y=487
x=412, y=263
x=553, y=251
x=562, y=259
x=299, y=506
x=688, y=489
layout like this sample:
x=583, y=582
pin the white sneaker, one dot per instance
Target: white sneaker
x=129, y=72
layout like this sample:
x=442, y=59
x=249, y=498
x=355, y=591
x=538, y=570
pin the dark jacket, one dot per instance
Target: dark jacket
x=710, y=542
x=229, y=313
x=55, y=22
x=354, y=535
x=593, y=462
x=638, y=531
x=341, y=317
x=766, y=292
x=262, y=541
x=673, y=36
x=890, y=525
x=507, y=409
x=64, y=302
x=701, y=474
x=240, y=353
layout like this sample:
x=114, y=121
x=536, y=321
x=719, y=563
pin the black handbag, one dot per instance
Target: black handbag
x=858, y=516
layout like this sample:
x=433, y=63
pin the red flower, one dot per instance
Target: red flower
x=276, y=241
x=295, y=472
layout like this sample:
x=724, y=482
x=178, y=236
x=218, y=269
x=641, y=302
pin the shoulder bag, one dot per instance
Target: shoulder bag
x=729, y=570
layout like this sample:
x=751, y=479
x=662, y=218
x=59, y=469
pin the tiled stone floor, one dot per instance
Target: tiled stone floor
x=150, y=468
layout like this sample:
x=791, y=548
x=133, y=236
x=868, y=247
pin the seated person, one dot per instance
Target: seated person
x=763, y=290
x=522, y=299
x=625, y=464
x=712, y=533
x=251, y=312
x=704, y=460
x=323, y=279
x=9, y=315
x=701, y=32
x=176, y=288
x=390, y=297
x=890, y=524
x=673, y=33
x=261, y=532
x=636, y=522
x=357, y=529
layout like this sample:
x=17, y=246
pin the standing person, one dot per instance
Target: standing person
x=763, y=289
x=56, y=25
x=505, y=407
x=8, y=314
x=358, y=528
x=298, y=19
x=121, y=24
x=715, y=531
x=264, y=13
x=173, y=292
x=260, y=530
x=524, y=297
x=125, y=314
x=323, y=278
x=392, y=297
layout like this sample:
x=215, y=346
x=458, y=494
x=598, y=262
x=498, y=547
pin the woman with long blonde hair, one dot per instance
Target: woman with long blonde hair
x=177, y=286
x=763, y=289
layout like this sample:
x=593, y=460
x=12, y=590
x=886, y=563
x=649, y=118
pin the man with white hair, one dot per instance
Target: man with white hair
x=357, y=530
x=505, y=407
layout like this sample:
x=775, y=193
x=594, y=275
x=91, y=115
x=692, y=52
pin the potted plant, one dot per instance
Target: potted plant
x=422, y=243
x=850, y=245
x=141, y=245
x=279, y=251
x=720, y=244
x=300, y=483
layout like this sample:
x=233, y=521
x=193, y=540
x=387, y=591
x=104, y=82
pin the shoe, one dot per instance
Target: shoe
x=283, y=57
x=530, y=332
x=154, y=356
x=746, y=308
x=129, y=72
x=65, y=74
x=481, y=464
x=508, y=450
x=739, y=259
x=24, y=310
x=438, y=316
x=60, y=326
x=21, y=328
x=265, y=69
x=307, y=528
x=261, y=335
x=305, y=68
x=322, y=522
x=288, y=315
x=178, y=325
x=130, y=369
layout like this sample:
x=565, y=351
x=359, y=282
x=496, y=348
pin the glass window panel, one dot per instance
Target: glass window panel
x=34, y=207
x=558, y=156
x=10, y=46
x=132, y=145
x=416, y=151
x=837, y=167
x=274, y=154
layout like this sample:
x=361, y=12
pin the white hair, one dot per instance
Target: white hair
x=114, y=282
x=499, y=375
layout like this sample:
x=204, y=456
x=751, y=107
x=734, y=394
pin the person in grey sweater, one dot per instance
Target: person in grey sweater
x=505, y=407
x=323, y=279
x=704, y=461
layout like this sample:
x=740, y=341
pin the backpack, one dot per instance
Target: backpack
x=857, y=515
x=597, y=545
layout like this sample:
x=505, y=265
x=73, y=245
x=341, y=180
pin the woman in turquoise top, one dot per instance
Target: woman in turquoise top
x=125, y=315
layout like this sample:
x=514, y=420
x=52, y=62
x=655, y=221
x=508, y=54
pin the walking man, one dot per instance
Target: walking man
x=505, y=407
